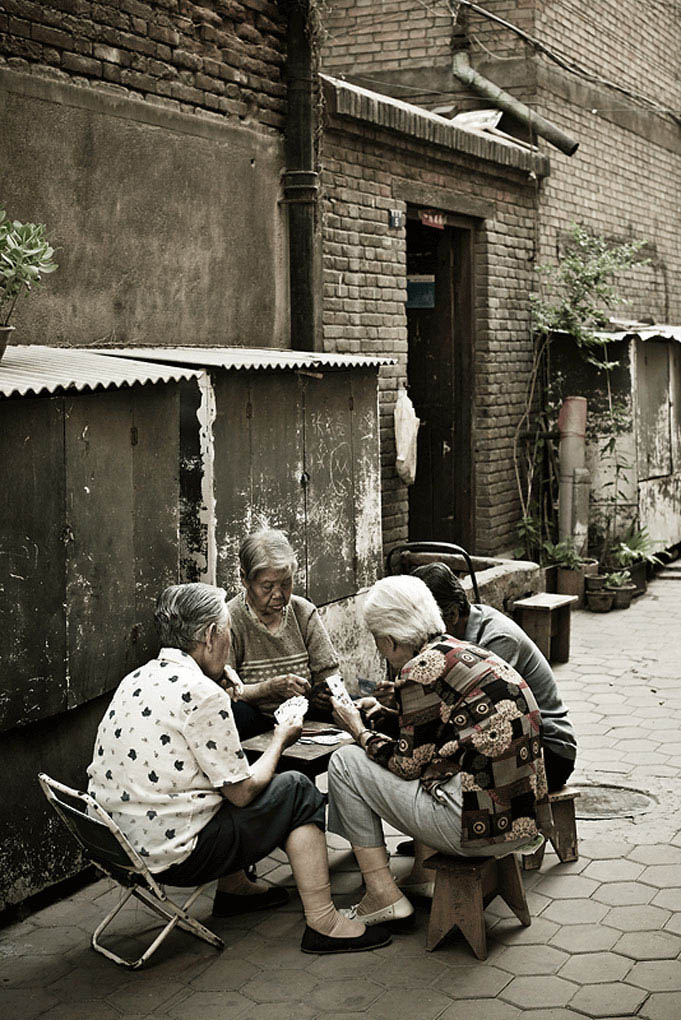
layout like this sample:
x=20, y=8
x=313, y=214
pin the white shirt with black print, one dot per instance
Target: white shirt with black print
x=166, y=744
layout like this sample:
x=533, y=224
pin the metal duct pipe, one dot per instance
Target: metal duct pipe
x=301, y=181
x=574, y=481
x=467, y=75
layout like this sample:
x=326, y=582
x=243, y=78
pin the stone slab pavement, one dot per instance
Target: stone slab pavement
x=605, y=939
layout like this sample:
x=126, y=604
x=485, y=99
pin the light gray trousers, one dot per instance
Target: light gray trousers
x=361, y=793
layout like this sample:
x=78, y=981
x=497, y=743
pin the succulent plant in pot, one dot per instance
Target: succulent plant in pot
x=25, y=257
x=619, y=582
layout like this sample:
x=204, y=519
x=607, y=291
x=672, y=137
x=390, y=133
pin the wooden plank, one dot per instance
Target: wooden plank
x=32, y=626
x=653, y=435
x=366, y=461
x=100, y=576
x=258, y=465
x=330, y=488
x=156, y=489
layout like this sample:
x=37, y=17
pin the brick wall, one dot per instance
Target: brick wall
x=222, y=56
x=365, y=291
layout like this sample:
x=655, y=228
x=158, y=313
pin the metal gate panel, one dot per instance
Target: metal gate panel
x=100, y=576
x=32, y=632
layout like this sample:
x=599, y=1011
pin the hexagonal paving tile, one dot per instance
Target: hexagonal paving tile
x=595, y=968
x=614, y=871
x=670, y=899
x=622, y=894
x=536, y=992
x=661, y=1006
x=664, y=876
x=282, y=986
x=512, y=933
x=585, y=938
x=657, y=976
x=608, y=1000
x=351, y=995
x=474, y=981
x=16, y=1002
x=656, y=854
x=649, y=945
x=644, y=918
x=145, y=996
x=531, y=960
x=34, y=971
x=424, y=1003
x=566, y=887
x=577, y=911
x=224, y=975
x=495, y=1009
x=87, y=1010
x=199, y=1005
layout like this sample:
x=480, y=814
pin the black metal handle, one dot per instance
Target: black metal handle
x=435, y=547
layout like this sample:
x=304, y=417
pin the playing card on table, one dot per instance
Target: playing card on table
x=293, y=708
x=338, y=689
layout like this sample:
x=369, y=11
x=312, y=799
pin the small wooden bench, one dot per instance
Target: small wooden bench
x=464, y=886
x=564, y=839
x=546, y=619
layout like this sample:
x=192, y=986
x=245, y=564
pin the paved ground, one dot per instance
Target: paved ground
x=605, y=940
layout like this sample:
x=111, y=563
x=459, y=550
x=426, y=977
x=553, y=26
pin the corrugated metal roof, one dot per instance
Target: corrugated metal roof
x=643, y=331
x=248, y=357
x=32, y=370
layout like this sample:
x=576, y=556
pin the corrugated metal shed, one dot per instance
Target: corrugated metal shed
x=247, y=358
x=643, y=331
x=32, y=370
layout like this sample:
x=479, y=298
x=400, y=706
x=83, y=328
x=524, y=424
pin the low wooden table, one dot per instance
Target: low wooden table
x=310, y=759
x=546, y=619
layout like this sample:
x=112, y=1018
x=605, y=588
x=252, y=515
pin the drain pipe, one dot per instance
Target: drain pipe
x=574, y=477
x=301, y=181
x=468, y=76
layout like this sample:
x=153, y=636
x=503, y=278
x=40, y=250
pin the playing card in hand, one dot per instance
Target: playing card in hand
x=338, y=689
x=293, y=708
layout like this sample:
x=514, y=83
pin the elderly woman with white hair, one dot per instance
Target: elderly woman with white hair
x=280, y=647
x=459, y=765
x=169, y=767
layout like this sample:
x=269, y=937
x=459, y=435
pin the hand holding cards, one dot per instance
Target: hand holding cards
x=339, y=690
x=292, y=710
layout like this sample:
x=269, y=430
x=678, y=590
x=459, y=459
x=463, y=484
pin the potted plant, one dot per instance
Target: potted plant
x=619, y=582
x=571, y=568
x=633, y=552
x=600, y=600
x=25, y=256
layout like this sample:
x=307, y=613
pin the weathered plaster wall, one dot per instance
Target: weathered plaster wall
x=152, y=213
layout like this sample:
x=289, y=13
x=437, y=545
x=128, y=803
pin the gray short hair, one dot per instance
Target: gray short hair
x=184, y=612
x=403, y=608
x=267, y=549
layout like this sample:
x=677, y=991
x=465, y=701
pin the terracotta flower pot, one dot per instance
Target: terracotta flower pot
x=571, y=582
x=600, y=601
x=594, y=582
x=622, y=596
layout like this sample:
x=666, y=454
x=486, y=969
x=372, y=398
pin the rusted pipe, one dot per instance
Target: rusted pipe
x=467, y=75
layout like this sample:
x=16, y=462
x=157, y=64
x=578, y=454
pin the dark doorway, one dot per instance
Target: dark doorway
x=440, y=375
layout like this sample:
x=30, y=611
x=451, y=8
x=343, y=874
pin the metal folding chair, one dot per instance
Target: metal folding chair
x=446, y=548
x=105, y=846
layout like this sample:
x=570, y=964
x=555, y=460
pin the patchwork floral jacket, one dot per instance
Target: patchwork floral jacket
x=463, y=710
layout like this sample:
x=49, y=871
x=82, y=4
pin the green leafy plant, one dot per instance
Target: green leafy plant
x=633, y=547
x=575, y=296
x=563, y=554
x=25, y=257
x=618, y=579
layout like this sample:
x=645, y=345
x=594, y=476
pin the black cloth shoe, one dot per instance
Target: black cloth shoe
x=406, y=848
x=228, y=904
x=373, y=938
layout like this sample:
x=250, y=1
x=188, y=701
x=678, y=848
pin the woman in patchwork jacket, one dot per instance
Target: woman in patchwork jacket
x=457, y=763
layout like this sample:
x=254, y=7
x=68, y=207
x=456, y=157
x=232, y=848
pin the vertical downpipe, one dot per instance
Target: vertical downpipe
x=301, y=181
